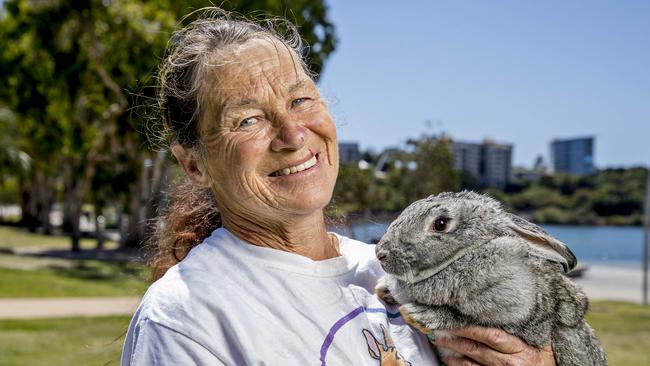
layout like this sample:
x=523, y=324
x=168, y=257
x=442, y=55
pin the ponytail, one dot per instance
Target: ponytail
x=191, y=217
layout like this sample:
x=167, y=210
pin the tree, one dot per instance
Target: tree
x=432, y=169
x=352, y=190
x=70, y=69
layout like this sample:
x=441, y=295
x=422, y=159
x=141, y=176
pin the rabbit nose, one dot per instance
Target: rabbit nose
x=381, y=255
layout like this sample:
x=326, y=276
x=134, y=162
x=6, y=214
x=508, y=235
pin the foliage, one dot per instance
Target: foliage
x=607, y=197
x=70, y=65
x=310, y=16
x=426, y=170
x=433, y=173
x=610, y=197
x=353, y=188
x=72, y=70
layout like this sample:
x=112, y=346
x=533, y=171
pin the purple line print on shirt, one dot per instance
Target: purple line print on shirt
x=341, y=322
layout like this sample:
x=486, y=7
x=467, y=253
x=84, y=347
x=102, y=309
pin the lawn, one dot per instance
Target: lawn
x=66, y=341
x=12, y=237
x=29, y=276
x=624, y=329
x=79, y=278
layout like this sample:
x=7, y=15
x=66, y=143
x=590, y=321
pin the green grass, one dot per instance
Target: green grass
x=624, y=330
x=66, y=341
x=81, y=278
x=12, y=237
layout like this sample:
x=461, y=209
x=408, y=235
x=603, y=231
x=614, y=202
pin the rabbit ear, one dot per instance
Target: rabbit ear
x=373, y=345
x=543, y=244
x=387, y=338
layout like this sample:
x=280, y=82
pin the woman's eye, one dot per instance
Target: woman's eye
x=297, y=102
x=248, y=122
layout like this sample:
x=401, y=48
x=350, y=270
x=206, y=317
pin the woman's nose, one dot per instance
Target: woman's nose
x=291, y=135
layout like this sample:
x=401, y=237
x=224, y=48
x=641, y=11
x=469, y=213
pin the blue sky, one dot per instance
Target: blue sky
x=520, y=72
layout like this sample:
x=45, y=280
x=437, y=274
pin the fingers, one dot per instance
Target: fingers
x=496, y=339
x=547, y=355
x=455, y=361
x=478, y=352
x=475, y=353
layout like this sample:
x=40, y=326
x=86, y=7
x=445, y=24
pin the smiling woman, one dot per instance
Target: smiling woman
x=264, y=119
x=247, y=273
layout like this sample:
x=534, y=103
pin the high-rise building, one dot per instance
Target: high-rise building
x=467, y=157
x=349, y=152
x=489, y=162
x=497, y=164
x=573, y=156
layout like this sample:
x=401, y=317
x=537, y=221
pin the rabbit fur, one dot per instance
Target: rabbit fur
x=488, y=268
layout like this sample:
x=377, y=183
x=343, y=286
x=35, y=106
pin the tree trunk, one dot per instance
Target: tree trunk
x=159, y=184
x=75, y=199
x=75, y=232
x=137, y=202
x=99, y=228
x=68, y=198
x=28, y=218
x=122, y=224
x=46, y=198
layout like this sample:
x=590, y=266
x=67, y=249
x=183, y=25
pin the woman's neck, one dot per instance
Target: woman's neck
x=304, y=235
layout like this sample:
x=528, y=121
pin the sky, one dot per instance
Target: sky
x=518, y=72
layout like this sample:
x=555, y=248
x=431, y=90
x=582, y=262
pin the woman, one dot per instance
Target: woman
x=270, y=285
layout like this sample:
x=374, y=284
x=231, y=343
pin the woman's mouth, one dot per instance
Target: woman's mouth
x=296, y=168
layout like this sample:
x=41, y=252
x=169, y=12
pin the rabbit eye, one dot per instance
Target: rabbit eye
x=440, y=224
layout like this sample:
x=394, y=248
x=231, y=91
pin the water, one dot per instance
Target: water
x=612, y=245
x=608, y=245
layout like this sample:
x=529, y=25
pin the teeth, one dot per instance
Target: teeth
x=298, y=168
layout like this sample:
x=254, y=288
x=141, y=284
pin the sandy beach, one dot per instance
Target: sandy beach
x=606, y=282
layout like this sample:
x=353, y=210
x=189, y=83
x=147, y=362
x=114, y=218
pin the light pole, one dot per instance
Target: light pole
x=646, y=228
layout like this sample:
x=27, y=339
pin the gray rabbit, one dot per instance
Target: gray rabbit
x=459, y=259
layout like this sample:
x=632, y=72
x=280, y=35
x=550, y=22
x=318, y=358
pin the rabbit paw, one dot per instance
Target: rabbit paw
x=384, y=294
x=430, y=317
x=416, y=316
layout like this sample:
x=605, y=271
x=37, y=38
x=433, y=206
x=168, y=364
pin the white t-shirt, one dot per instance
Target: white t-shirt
x=232, y=303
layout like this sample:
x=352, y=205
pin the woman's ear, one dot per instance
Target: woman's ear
x=192, y=165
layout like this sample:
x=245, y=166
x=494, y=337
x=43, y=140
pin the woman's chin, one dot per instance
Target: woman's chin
x=306, y=202
x=307, y=206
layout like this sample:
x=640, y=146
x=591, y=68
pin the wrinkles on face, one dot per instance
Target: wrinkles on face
x=246, y=185
x=262, y=114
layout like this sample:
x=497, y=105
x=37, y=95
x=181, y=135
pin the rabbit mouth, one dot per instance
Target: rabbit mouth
x=394, y=266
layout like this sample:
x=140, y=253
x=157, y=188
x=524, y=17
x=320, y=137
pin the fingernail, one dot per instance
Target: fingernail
x=431, y=336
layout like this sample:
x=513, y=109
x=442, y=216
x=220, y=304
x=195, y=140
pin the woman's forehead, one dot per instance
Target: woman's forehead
x=258, y=63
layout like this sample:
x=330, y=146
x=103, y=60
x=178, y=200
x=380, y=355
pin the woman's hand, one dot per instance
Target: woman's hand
x=490, y=346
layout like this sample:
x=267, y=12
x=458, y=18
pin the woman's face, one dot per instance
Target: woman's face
x=269, y=142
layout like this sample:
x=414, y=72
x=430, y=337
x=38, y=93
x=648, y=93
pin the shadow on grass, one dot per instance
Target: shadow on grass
x=101, y=271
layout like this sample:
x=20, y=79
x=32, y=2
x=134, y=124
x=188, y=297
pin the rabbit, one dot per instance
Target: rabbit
x=459, y=259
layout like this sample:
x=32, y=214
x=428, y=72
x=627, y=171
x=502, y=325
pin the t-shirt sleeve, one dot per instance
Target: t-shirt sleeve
x=151, y=343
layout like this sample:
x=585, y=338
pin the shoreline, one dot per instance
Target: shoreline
x=612, y=281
